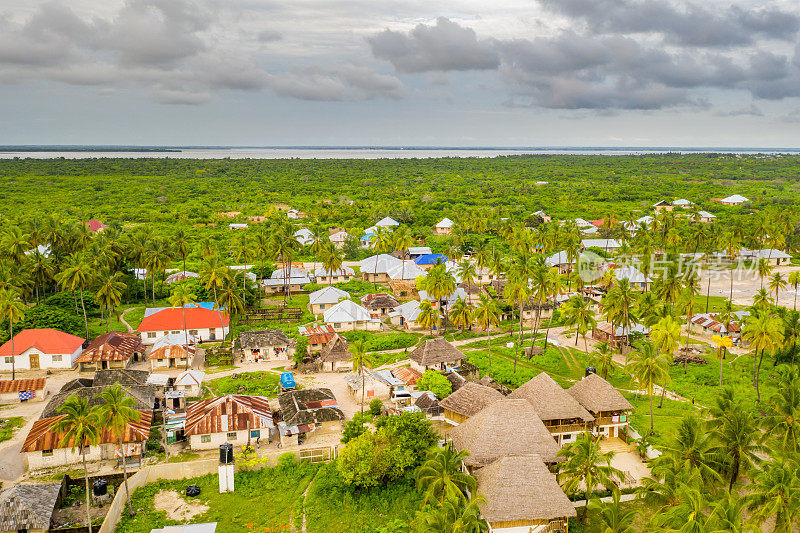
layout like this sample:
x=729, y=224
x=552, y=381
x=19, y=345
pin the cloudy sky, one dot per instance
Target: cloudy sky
x=400, y=72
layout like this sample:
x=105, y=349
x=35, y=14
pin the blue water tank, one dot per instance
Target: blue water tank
x=287, y=380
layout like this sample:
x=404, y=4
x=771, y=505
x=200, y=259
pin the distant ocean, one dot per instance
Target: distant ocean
x=346, y=152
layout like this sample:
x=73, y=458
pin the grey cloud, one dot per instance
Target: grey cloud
x=752, y=111
x=179, y=97
x=445, y=46
x=691, y=24
x=337, y=83
x=268, y=36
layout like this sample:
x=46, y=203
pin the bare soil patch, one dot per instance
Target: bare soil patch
x=176, y=507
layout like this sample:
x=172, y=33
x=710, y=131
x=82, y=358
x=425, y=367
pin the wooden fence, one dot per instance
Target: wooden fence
x=283, y=314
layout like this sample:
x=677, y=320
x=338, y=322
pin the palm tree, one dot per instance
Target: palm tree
x=516, y=292
x=665, y=336
x=109, y=293
x=214, y=276
x=181, y=244
x=439, y=284
x=578, y=312
x=586, y=466
x=723, y=343
x=76, y=276
x=360, y=361
x=794, y=281
x=402, y=240
x=736, y=432
x=429, y=316
x=686, y=308
x=183, y=297
x=487, y=314
x=727, y=515
x=80, y=428
x=440, y=476
x=687, y=516
x=692, y=449
x=776, y=282
x=781, y=422
x=762, y=300
x=13, y=310
x=331, y=260
x=115, y=413
x=602, y=359
x=452, y=516
x=613, y=518
x=764, y=269
x=649, y=367
x=229, y=299
x=41, y=269
x=775, y=492
x=461, y=314
x=14, y=243
x=467, y=271
x=380, y=243
x=763, y=332
x=284, y=246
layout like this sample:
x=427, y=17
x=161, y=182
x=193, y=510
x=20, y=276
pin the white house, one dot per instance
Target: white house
x=190, y=382
x=348, y=315
x=405, y=315
x=325, y=298
x=387, y=222
x=682, y=203
x=611, y=245
x=341, y=275
x=304, y=236
x=41, y=348
x=735, y=199
x=444, y=227
x=634, y=276
x=772, y=256
x=338, y=239
x=705, y=216
x=232, y=418
x=376, y=267
x=205, y=324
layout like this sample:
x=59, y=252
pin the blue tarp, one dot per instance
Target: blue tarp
x=287, y=380
x=430, y=259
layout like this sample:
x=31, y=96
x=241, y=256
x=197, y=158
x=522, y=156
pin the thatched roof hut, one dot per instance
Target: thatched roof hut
x=550, y=400
x=520, y=488
x=505, y=427
x=470, y=399
x=335, y=351
x=598, y=395
x=434, y=352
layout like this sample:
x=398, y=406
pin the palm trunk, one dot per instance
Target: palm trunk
x=13, y=358
x=688, y=331
x=708, y=292
x=758, y=376
x=85, y=320
x=125, y=475
x=363, y=384
x=519, y=339
x=86, y=479
x=375, y=274
x=489, y=325
x=651, y=412
x=186, y=334
x=794, y=306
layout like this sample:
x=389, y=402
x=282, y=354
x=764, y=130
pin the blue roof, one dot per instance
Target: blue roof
x=430, y=259
x=367, y=237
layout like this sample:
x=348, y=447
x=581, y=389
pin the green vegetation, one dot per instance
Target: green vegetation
x=9, y=425
x=250, y=383
x=435, y=382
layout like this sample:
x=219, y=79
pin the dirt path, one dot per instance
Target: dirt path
x=124, y=322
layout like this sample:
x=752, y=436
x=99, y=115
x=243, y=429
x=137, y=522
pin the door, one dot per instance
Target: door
x=34, y=357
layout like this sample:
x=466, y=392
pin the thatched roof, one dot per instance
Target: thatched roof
x=456, y=380
x=379, y=301
x=505, y=427
x=550, y=400
x=28, y=506
x=470, y=399
x=335, y=351
x=597, y=394
x=520, y=487
x=436, y=351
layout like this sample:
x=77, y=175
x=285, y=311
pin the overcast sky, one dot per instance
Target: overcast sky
x=400, y=72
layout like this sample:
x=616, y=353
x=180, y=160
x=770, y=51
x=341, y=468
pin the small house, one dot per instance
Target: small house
x=607, y=245
x=200, y=322
x=281, y=280
x=444, y=227
x=436, y=354
x=635, y=277
x=47, y=349
x=705, y=217
x=349, y=316
x=338, y=239
x=328, y=277
x=406, y=315
x=294, y=214
x=407, y=375
x=113, y=350
x=611, y=411
x=605, y=332
x=265, y=345
x=233, y=418
x=180, y=276
x=379, y=305
x=379, y=384
x=318, y=336
x=387, y=222
x=30, y=507
x=22, y=390
x=171, y=356
x=470, y=399
x=415, y=251
x=325, y=298
x=771, y=256
x=237, y=225
x=663, y=205
x=682, y=203
x=190, y=382
x=736, y=199
x=522, y=494
x=307, y=412
x=561, y=261
x=561, y=414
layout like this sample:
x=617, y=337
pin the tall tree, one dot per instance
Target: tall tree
x=76, y=275
x=763, y=332
x=13, y=310
x=648, y=367
x=487, y=314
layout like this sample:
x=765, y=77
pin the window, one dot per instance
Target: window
x=232, y=435
x=175, y=332
x=255, y=434
x=8, y=360
x=192, y=332
x=336, y=325
x=151, y=334
x=205, y=438
x=322, y=306
x=47, y=453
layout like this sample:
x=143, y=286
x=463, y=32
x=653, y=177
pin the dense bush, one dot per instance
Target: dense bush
x=435, y=382
x=375, y=407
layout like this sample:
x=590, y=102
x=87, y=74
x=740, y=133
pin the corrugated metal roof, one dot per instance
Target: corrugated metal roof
x=41, y=437
x=228, y=413
x=19, y=385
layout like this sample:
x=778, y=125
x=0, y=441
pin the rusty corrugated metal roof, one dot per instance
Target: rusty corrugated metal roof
x=41, y=437
x=206, y=416
x=19, y=385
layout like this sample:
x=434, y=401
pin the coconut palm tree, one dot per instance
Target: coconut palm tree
x=776, y=282
x=440, y=476
x=487, y=314
x=115, y=413
x=80, y=428
x=76, y=275
x=602, y=359
x=429, y=316
x=794, y=281
x=402, y=240
x=613, y=518
x=763, y=332
x=461, y=314
x=686, y=308
x=692, y=449
x=648, y=367
x=379, y=243
x=781, y=422
x=586, y=467
x=727, y=514
x=775, y=492
x=736, y=432
x=439, y=284
x=452, y=516
x=41, y=269
x=468, y=272
x=331, y=260
x=665, y=335
x=181, y=244
x=13, y=310
x=215, y=275
x=183, y=297
x=284, y=247
x=109, y=293
x=578, y=313
x=360, y=361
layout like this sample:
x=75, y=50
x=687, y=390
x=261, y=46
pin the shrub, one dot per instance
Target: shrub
x=435, y=382
x=354, y=428
x=375, y=407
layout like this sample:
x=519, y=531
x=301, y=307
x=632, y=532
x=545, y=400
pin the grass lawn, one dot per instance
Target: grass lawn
x=331, y=507
x=265, y=500
x=665, y=420
x=9, y=425
x=251, y=383
x=714, y=303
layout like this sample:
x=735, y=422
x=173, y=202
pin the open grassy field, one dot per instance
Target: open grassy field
x=9, y=425
x=250, y=383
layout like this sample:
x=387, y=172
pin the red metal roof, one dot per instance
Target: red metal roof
x=95, y=225
x=19, y=385
x=172, y=319
x=41, y=437
x=174, y=351
x=49, y=341
x=112, y=346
